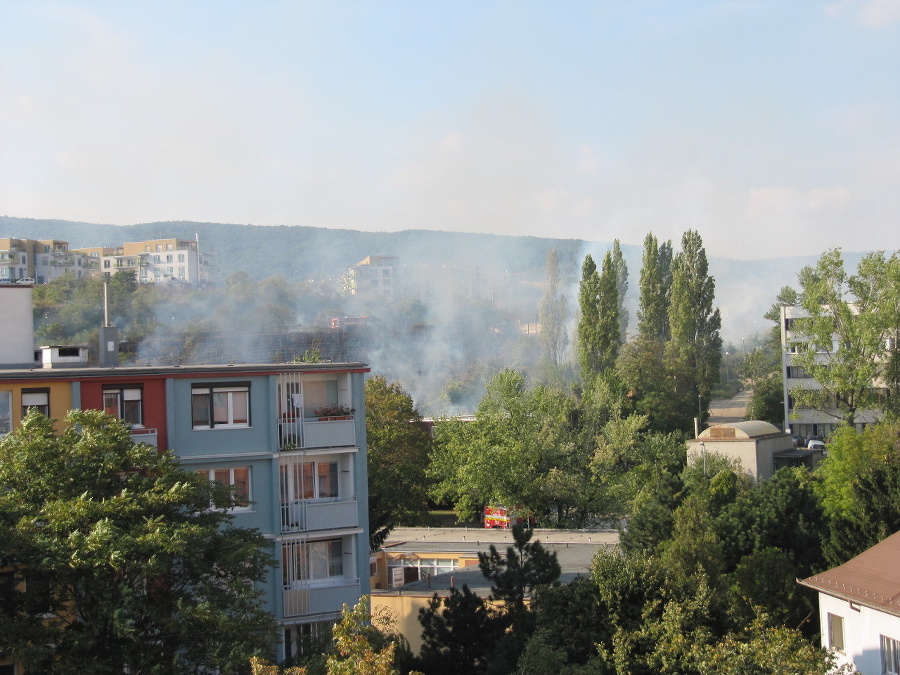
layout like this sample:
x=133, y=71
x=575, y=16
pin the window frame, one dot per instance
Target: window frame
x=6, y=417
x=303, y=481
x=890, y=646
x=121, y=407
x=212, y=406
x=298, y=560
x=836, y=632
x=244, y=500
x=43, y=407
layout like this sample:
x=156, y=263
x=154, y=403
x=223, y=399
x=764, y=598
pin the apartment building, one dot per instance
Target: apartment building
x=377, y=276
x=289, y=437
x=159, y=261
x=802, y=421
x=40, y=259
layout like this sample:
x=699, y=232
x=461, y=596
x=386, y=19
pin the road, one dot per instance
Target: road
x=725, y=410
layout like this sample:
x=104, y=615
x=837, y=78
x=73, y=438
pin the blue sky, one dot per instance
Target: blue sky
x=773, y=128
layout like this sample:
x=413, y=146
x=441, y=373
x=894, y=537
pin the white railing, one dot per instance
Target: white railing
x=316, y=432
x=304, y=515
x=148, y=436
x=300, y=599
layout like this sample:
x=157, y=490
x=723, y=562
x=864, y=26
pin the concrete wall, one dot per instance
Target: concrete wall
x=863, y=628
x=17, y=345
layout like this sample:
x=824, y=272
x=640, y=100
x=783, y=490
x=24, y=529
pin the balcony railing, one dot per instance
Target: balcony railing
x=301, y=599
x=307, y=516
x=317, y=432
x=143, y=435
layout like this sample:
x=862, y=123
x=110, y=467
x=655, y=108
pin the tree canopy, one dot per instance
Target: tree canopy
x=123, y=560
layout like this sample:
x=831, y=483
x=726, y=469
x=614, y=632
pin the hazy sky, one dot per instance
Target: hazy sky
x=772, y=127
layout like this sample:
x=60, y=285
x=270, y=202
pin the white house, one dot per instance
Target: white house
x=859, y=608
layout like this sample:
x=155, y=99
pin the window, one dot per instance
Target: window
x=312, y=560
x=169, y=247
x=156, y=259
x=309, y=480
x=890, y=655
x=36, y=398
x=836, y=632
x=181, y=272
x=159, y=247
x=124, y=403
x=5, y=412
x=181, y=257
x=169, y=258
x=220, y=406
x=237, y=477
x=318, y=394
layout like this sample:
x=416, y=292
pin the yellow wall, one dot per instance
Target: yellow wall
x=60, y=399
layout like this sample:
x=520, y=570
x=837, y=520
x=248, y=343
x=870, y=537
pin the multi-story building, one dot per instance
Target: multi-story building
x=289, y=437
x=160, y=261
x=804, y=421
x=377, y=276
x=40, y=259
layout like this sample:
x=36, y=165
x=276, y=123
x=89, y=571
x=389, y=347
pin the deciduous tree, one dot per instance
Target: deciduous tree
x=139, y=563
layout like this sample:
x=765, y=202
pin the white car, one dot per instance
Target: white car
x=815, y=445
x=26, y=280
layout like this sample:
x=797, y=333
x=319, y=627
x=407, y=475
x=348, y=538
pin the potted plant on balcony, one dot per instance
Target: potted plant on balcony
x=333, y=411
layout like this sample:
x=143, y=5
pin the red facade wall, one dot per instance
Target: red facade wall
x=153, y=400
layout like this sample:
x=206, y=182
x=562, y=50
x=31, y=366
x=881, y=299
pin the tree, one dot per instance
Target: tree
x=695, y=346
x=519, y=439
x=589, y=319
x=139, y=563
x=552, y=313
x=398, y=451
x=621, y=269
x=608, y=318
x=459, y=634
x=841, y=341
x=653, y=322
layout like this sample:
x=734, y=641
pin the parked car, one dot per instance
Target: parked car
x=26, y=280
x=6, y=280
x=815, y=445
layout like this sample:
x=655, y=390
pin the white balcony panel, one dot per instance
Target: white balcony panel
x=307, y=516
x=304, y=600
x=328, y=433
x=148, y=436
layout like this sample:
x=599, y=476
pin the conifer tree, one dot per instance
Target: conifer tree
x=608, y=308
x=621, y=289
x=589, y=318
x=653, y=320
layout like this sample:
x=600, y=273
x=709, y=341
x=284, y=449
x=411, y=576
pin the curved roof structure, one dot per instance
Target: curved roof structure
x=740, y=430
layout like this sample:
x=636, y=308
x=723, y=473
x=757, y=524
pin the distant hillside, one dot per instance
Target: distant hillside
x=744, y=289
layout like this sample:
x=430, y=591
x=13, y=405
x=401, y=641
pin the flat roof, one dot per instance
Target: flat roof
x=204, y=370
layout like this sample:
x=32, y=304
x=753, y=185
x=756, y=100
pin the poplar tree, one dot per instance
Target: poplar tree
x=653, y=320
x=695, y=348
x=589, y=318
x=551, y=313
x=609, y=326
x=621, y=270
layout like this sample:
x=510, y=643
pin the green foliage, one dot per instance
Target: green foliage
x=552, y=314
x=850, y=318
x=695, y=348
x=459, y=634
x=356, y=645
x=589, y=336
x=398, y=451
x=145, y=569
x=621, y=274
x=653, y=323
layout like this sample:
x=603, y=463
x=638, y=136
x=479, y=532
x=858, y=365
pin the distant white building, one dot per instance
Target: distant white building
x=377, y=276
x=859, y=609
x=159, y=261
x=809, y=422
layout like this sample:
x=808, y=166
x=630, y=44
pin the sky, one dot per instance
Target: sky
x=771, y=127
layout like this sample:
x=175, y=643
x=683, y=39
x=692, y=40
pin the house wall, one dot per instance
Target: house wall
x=17, y=346
x=863, y=628
x=153, y=401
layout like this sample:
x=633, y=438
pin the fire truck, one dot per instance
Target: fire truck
x=503, y=518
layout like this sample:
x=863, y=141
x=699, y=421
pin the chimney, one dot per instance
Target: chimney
x=108, y=352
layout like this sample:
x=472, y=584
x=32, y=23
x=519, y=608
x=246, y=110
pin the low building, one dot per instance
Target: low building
x=859, y=609
x=760, y=448
x=416, y=563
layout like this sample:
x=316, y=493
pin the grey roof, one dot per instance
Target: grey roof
x=744, y=430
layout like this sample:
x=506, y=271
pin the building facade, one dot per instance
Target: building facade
x=804, y=421
x=260, y=428
x=377, y=276
x=859, y=609
x=159, y=261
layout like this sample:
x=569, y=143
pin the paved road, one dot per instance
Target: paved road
x=729, y=409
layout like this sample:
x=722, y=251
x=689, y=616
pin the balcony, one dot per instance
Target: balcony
x=317, y=432
x=307, y=516
x=144, y=435
x=301, y=599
